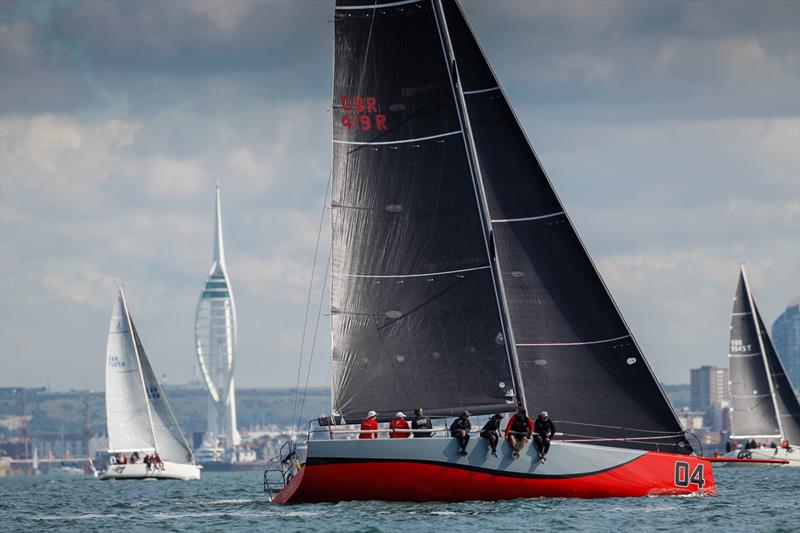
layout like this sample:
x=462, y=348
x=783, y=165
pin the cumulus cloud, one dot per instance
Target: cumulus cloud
x=670, y=130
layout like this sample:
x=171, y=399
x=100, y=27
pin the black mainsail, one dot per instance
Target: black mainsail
x=459, y=281
x=415, y=318
x=763, y=404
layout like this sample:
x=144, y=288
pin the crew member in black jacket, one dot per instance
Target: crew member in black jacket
x=460, y=429
x=543, y=432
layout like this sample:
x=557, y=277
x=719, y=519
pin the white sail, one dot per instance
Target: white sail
x=170, y=442
x=127, y=416
x=139, y=416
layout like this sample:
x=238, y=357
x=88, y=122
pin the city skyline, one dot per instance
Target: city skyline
x=669, y=129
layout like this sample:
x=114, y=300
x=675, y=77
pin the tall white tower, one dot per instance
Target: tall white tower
x=215, y=342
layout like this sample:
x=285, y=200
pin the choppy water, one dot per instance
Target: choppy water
x=748, y=500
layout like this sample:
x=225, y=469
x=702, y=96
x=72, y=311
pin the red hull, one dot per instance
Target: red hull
x=649, y=475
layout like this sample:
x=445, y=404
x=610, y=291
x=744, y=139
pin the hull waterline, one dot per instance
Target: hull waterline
x=413, y=471
x=170, y=470
x=762, y=454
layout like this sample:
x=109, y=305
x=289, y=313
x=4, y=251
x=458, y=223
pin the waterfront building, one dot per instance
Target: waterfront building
x=215, y=342
x=709, y=386
x=786, y=338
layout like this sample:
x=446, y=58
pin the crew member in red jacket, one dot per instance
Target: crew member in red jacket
x=369, y=423
x=399, y=423
x=519, y=430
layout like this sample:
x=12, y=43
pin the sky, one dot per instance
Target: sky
x=670, y=130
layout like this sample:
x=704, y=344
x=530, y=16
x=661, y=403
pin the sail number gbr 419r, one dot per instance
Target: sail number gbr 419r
x=683, y=477
x=361, y=113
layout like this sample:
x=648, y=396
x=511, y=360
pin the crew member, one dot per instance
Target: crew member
x=460, y=429
x=399, y=427
x=543, y=431
x=369, y=424
x=421, y=422
x=518, y=431
x=491, y=432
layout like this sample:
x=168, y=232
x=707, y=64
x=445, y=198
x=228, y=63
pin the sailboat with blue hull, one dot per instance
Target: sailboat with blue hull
x=459, y=283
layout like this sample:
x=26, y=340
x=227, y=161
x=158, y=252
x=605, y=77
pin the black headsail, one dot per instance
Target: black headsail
x=764, y=404
x=576, y=355
x=786, y=403
x=752, y=409
x=415, y=317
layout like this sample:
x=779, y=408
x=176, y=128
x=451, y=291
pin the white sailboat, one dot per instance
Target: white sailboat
x=139, y=418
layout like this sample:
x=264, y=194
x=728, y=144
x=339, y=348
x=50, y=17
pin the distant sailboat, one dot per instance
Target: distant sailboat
x=764, y=407
x=138, y=415
x=459, y=283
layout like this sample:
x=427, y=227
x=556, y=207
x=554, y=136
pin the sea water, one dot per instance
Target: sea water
x=748, y=499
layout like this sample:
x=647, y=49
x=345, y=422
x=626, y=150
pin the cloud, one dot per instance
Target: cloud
x=84, y=286
x=59, y=161
x=34, y=76
x=670, y=130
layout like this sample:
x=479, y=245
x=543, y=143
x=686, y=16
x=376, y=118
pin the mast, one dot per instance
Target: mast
x=480, y=196
x=139, y=364
x=763, y=351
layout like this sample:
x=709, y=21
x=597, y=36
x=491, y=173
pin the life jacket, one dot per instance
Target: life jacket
x=366, y=424
x=520, y=424
x=398, y=423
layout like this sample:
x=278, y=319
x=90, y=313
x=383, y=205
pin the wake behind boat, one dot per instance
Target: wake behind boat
x=459, y=283
x=764, y=409
x=140, y=421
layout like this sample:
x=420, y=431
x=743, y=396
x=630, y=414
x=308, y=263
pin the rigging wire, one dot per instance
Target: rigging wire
x=293, y=432
x=314, y=340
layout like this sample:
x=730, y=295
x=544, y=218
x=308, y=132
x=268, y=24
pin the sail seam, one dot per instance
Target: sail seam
x=742, y=314
x=479, y=91
x=527, y=344
x=414, y=275
x=377, y=6
x=750, y=395
x=402, y=141
x=526, y=219
x=744, y=354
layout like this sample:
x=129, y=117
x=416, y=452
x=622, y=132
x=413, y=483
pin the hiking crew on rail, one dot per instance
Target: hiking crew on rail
x=519, y=430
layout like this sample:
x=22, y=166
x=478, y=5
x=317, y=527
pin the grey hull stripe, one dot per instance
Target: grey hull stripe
x=573, y=343
x=479, y=91
x=402, y=141
x=526, y=219
x=377, y=6
x=425, y=274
